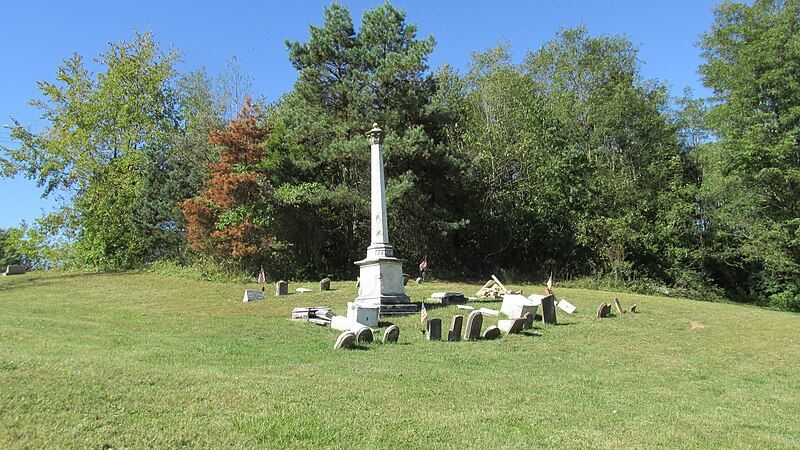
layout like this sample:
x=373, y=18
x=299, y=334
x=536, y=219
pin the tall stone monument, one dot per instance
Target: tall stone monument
x=381, y=272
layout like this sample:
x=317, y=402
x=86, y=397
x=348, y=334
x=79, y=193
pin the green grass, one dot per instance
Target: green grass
x=144, y=360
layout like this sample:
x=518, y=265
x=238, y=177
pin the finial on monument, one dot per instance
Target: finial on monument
x=375, y=134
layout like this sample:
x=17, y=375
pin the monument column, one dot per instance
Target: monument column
x=379, y=242
x=381, y=273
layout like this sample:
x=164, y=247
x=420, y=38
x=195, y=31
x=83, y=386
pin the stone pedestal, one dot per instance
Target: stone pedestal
x=366, y=315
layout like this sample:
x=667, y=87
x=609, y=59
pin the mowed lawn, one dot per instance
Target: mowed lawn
x=141, y=360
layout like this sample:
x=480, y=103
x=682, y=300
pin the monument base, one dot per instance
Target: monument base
x=381, y=281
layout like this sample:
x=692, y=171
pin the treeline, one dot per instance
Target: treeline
x=569, y=162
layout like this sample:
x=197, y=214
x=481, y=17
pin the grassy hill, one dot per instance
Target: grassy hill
x=139, y=360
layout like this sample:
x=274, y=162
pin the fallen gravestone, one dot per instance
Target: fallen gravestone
x=549, y=310
x=528, y=321
x=325, y=284
x=511, y=326
x=491, y=333
x=618, y=306
x=364, y=334
x=433, y=330
x=467, y=307
x=566, y=306
x=14, y=269
x=391, y=334
x=455, y=328
x=282, y=288
x=302, y=290
x=489, y=312
x=345, y=340
x=449, y=298
x=472, y=331
x=251, y=295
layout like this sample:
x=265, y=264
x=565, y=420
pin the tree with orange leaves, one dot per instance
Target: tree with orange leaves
x=230, y=218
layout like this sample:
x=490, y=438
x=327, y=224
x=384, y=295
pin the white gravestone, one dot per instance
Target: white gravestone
x=515, y=306
x=251, y=295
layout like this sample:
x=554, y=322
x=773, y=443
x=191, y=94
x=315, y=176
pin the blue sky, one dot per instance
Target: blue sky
x=36, y=35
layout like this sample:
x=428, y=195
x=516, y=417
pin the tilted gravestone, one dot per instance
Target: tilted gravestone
x=434, y=330
x=604, y=310
x=618, y=306
x=345, y=340
x=325, y=284
x=364, y=334
x=391, y=335
x=491, y=333
x=511, y=326
x=455, y=328
x=633, y=308
x=549, y=309
x=282, y=288
x=472, y=331
x=528, y=321
x=14, y=269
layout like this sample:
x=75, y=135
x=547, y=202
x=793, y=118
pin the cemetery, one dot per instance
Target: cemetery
x=323, y=365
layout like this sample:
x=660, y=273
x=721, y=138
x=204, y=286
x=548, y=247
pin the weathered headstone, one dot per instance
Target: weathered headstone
x=345, y=340
x=14, y=269
x=511, y=326
x=472, y=330
x=282, y=288
x=251, y=295
x=433, y=330
x=604, y=310
x=364, y=334
x=618, y=306
x=391, y=334
x=325, y=284
x=419, y=280
x=633, y=308
x=528, y=321
x=549, y=310
x=455, y=328
x=491, y=333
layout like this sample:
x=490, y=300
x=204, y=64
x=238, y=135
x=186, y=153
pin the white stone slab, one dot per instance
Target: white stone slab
x=566, y=306
x=251, y=295
x=343, y=323
x=366, y=315
x=489, y=312
x=303, y=290
x=467, y=307
x=515, y=306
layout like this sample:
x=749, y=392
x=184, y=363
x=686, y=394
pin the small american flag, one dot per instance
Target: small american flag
x=550, y=284
x=424, y=264
x=261, y=278
x=423, y=314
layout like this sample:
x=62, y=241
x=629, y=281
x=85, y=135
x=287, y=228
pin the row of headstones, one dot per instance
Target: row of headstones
x=349, y=339
x=472, y=331
x=282, y=286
